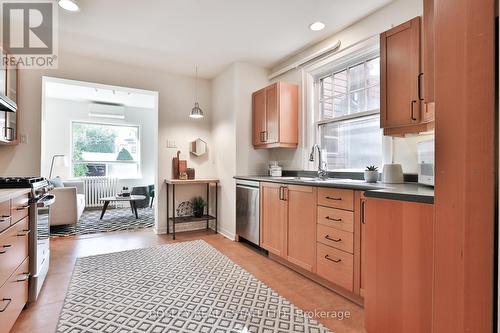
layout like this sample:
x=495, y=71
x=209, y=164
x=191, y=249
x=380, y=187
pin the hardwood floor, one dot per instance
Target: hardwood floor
x=43, y=315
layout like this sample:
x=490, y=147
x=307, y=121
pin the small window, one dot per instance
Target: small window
x=105, y=150
x=349, y=115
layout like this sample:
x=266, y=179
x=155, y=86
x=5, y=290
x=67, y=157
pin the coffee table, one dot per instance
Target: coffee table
x=132, y=199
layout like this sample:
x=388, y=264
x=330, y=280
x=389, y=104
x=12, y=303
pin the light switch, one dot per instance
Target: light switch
x=171, y=144
x=23, y=138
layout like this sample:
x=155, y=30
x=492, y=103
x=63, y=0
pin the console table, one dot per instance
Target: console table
x=183, y=219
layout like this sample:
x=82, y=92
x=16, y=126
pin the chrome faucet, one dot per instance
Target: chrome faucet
x=322, y=170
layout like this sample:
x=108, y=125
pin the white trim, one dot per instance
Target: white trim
x=229, y=235
x=305, y=60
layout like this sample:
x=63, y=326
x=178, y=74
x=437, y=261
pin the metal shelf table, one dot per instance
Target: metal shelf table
x=183, y=219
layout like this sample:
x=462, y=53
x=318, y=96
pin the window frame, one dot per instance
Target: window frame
x=329, y=70
x=139, y=152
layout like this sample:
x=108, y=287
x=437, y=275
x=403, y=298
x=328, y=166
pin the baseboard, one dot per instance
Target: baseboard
x=160, y=231
x=227, y=234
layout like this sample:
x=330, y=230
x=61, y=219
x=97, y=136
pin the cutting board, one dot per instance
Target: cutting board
x=178, y=166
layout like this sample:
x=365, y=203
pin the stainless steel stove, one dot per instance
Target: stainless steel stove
x=39, y=248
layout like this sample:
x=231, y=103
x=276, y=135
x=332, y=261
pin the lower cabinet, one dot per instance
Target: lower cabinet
x=315, y=231
x=399, y=249
x=273, y=218
x=301, y=226
x=14, y=260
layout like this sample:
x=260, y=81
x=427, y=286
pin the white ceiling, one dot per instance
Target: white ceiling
x=176, y=35
x=86, y=92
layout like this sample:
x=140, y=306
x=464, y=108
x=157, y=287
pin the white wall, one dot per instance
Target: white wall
x=176, y=97
x=59, y=113
x=232, y=133
x=405, y=149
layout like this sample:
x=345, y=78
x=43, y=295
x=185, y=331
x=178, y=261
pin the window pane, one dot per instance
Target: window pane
x=373, y=102
x=340, y=105
x=373, y=72
x=357, y=77
x=357, y=101
x=99, y=144
x=359, y=143
x=326, y=109
x=123, y=170
x=326, y=88
x=340, y=82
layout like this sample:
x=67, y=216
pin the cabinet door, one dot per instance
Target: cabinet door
x=399, y=251
x=259, y=116
x=301, y=227
x=272, y=113
x=399, y=75
x=273, y=218
x=428, y=63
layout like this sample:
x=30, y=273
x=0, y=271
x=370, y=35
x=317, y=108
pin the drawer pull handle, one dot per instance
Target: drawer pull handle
x=25, y=277
x=327, y=257
x=23, y=233
x=333, y=219
x=22, y=208
x=333, y=239
x=8, y=300
x=4, y=248
x=334, y=198
x=5, y=216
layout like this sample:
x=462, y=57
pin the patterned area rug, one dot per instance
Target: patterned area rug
x=114, y=220
x=182, y=287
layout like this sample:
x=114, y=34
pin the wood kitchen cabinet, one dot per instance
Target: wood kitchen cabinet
x=301, y=226
x=273, y=218
x=407, y=76
x=399, y=266
x=275, y=116
x=288, y=223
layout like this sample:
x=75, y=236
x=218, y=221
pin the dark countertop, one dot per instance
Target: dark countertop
x=405, y=192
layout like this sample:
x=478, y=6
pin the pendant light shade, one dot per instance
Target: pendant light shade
x=196, y=112
x=70, y=5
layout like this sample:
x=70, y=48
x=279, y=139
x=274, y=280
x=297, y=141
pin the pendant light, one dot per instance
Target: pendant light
x=70, y=5
x=196, y=112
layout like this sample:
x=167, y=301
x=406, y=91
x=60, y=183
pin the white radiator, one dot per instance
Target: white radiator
x=98, y=187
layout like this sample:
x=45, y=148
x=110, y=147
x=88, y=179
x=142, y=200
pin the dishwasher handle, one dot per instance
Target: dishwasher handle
x=247, y=187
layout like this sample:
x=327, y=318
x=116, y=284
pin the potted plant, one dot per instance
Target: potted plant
x=371, y=174
x=198, y=206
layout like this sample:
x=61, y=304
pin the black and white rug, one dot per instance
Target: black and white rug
x=182, y=287
x=117, y=219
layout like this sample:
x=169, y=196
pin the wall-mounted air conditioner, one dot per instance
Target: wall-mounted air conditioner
x=106, y=110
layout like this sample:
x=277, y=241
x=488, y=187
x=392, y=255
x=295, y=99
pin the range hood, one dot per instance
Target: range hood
x=6, y=104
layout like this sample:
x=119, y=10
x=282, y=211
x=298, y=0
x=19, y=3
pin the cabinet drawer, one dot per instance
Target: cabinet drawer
x=336, y=198
x=13, y=296
x=335, y=266
x=13, y=248
x=19, y=208
x=339, y=239
x=336, y=218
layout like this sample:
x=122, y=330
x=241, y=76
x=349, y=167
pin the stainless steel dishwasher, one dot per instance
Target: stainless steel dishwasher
x=248, y=210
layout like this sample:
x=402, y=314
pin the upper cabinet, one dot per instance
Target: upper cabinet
x=275, y=116
x=407, y=76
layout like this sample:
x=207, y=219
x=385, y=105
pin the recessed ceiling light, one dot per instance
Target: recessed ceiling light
x=70, y=5
x=317, y=26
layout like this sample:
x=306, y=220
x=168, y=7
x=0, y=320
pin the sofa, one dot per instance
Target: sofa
x=70, y=203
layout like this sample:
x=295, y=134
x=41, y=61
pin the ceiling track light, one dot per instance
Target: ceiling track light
x=69, y=5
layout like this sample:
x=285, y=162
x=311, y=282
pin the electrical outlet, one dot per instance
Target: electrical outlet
x=171, y=144
x=23, y=138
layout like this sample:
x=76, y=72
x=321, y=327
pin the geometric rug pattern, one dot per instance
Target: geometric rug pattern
x=181, y=287
x=114, y=220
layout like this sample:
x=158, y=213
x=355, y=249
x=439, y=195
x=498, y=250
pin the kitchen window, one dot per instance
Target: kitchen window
x=105, y=150
x=349, y=114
